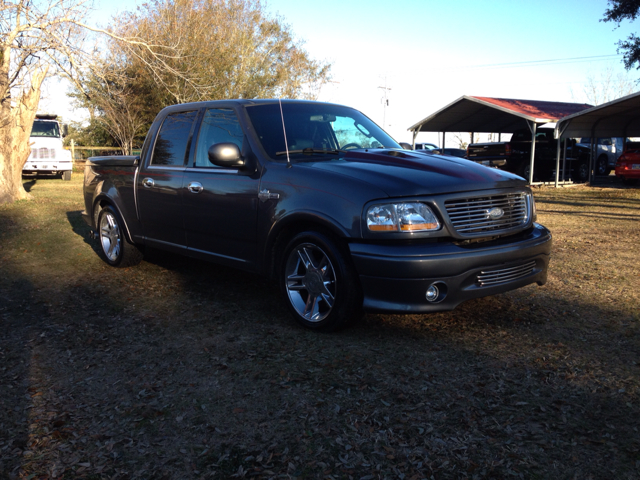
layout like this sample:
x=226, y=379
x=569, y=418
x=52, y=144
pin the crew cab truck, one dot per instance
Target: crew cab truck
x=321, y=199
x=515, y=155
x=48, y=156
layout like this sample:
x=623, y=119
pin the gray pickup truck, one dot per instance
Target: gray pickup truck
x=607, y=152
x=321, y=199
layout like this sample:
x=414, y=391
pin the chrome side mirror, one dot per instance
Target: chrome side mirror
x=226, y=155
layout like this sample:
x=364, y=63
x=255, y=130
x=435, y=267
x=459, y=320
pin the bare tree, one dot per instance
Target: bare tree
x=224, y=49
x=462, y=143
x=176, y=51
x=114, y=104
x=40, y=38
x=605, y=87
x=608, y=86
x=36, y=39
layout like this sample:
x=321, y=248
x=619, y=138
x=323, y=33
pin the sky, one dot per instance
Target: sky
x=429, y=53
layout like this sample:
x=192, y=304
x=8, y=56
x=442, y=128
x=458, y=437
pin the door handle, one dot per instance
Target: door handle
x=195, y=187
x=148, y=182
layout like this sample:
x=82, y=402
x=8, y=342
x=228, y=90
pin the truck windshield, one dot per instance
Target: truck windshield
x=313, y=129
x=45, y=129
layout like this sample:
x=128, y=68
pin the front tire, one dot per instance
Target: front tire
x=318, y=283
x=602, y=165
x=66, y=175
x=116, y=250
x=581, y=173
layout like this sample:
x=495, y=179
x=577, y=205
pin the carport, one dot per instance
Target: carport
x=618, y=118
x=496, y=115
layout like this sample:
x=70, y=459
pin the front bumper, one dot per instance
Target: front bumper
x=51, y=167
x=395, y=278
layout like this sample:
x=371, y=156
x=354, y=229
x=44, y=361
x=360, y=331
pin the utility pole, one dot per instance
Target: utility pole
x=385, y=102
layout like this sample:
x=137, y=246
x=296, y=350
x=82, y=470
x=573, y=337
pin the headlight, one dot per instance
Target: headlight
x=401, y=217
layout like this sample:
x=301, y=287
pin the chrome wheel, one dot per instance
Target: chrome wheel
x=310, y=282
x=110, y=236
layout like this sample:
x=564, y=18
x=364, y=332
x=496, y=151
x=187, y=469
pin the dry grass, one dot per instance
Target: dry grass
x=175, y=369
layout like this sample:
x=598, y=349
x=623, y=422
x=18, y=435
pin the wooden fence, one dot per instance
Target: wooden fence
x=77, y=152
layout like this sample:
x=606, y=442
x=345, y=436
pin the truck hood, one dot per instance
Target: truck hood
x=410, y=173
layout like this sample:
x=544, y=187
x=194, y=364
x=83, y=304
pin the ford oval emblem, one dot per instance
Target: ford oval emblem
x=495, y=213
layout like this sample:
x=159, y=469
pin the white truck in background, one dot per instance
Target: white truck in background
x=48, y=156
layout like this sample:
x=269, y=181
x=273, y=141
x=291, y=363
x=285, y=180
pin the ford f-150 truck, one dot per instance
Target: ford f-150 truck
x=515, y=155
x=320, y=198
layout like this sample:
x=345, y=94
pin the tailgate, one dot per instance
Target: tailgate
x=478, y=151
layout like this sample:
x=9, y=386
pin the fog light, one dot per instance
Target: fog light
x=436, y=292
x=432, y=293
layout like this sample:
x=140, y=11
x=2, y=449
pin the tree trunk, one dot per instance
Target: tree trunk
x=15, y=129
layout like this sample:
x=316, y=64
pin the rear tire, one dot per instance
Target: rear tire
x=116, y=250
x=318, y=282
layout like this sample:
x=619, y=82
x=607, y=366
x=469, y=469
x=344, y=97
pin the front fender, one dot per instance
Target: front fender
x=292, y=223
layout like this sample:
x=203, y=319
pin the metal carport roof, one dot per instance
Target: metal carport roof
x=618, y=118
x=495, y=115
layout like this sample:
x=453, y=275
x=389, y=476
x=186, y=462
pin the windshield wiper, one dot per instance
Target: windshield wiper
x=310, y=151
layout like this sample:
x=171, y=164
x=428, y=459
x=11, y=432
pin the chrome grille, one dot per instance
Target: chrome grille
x=503, y=275
x=43, y=153
x=471, y=216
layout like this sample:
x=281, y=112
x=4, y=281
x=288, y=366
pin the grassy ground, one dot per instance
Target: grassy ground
x=177, y=369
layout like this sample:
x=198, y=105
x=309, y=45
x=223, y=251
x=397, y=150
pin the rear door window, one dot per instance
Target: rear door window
x=173, y=139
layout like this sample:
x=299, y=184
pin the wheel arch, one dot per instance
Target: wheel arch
x=102, y=201
x=287, y=227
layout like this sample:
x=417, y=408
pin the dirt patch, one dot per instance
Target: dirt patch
x=177, y=369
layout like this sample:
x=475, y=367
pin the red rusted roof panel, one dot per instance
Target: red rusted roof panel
x=538, y=109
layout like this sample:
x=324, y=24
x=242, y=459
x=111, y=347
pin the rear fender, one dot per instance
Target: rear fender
x=102, y=201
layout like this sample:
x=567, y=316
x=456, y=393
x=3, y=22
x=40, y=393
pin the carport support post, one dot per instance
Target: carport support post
x=564, y=161
x=415, y=134
x=443, y=144
x=558, y=141
x=592, y=154
x=558, y=136
x=533, y=126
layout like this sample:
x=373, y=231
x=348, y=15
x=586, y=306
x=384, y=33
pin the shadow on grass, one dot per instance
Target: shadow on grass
x=183, y=369
x=611, y=182
x=206, y=364
x=23, y=316
x=80, y=228
x=219, y=370
x=30, y=184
